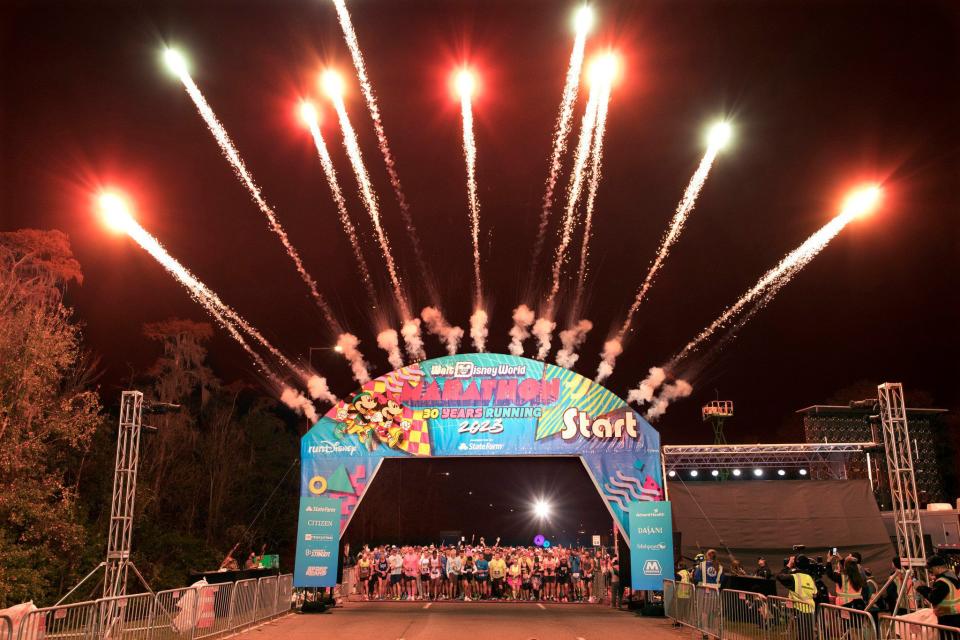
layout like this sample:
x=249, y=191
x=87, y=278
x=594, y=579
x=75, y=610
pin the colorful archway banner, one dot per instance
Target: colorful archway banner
x=481, y=404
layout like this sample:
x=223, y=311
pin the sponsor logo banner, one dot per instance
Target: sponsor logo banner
x=318, y=538
x=651, y=545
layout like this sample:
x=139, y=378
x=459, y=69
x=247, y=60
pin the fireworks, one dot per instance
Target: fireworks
x=347, y=344
x=523, y=317
x=438, y=326
x=389, y=341
x=309, y=114
x=116, y=213
x=178, y=65
x=718, y=137
x=860, y=202
x=466, y=84
x=333, y=86
x=582, y=22
x=350, y=36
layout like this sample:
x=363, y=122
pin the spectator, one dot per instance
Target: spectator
x=763, y=571
x=849, y=582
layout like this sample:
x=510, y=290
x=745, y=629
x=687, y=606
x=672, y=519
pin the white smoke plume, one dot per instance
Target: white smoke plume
x=611, y=349
x=413, y=339
x=572, y=339
x=523, y=317
x=389, y=341
x=299, y=403
x=671, y=392
x=478, y=330
x=542, y=329
x=438, y=326
x=347, y=343
x=644, y=392
x=319, y=390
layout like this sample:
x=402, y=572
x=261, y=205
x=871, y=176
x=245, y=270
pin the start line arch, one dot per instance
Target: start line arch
x=482, y=404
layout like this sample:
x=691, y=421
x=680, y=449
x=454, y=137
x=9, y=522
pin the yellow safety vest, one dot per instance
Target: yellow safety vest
x=685, y=576
x=909, y=599
x=949, y=606
x=846, y=593
x=804, y=589
x=685, y=586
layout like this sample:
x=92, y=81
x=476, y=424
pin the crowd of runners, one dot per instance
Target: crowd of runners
x=484, y=572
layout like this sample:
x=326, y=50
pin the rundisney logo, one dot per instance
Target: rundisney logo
x=328, y=446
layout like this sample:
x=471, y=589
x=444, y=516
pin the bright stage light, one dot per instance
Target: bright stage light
x=603, y=69
x=781, y=472
x=466, y=83
x=719, y=135
x=715, y=473
x=672, y=473
x=308, y=113
x=332, y=83
x=115, y=211
x=736, y=472
x=803, y=472
x=862, y=201
x=758, y=472
x=694, y=473
x=583, y=19
x=541, y=509
x=175, y=61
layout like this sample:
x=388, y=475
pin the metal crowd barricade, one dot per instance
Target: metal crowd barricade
x=244, y=603
x=707, y=610
x=843, y=623
x=126, y=617
x=669, y=599
x=284, y=593
x=744, y=615
x=900, y=629
x=176, y=612
x=266, y=597
x=6, y=628
x=72, y=621
x=790, y=620
x=213, y=609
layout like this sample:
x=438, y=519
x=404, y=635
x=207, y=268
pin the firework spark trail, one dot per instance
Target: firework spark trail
x=777, y=277
x=350, y=37
x=596, y=158
x=331, y=174
x=438, y=326
x=572, y=339
x=523, y=317
x=233, y=157
x=573, y=196
x=560, y=135
x=614, y=347
x=389, y=341
x=465, y=83
x=370, y=200
x=347, y=343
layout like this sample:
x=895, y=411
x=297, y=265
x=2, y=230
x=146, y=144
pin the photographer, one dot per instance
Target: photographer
x=849, y=581
x=798, y=578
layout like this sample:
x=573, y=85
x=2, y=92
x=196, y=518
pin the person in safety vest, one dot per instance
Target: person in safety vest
x=797, y=577
x=708, y=570
x=944, y=593
x=849, y=581
x=683, y=574
x=908, y=603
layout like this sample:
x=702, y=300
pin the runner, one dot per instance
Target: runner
x=466, y=577
x=483, y=576
x=576, y=587
x=454, y=564
x=364, y=574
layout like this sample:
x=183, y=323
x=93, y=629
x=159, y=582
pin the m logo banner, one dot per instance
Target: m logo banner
x=651, y=545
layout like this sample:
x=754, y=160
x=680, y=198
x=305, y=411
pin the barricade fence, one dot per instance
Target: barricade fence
x=190, y=613
x=743, y=615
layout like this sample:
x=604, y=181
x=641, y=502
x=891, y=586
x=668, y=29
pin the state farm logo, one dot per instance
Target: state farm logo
x=576, y=422
x=480, y=446
x=315, y=571
x=328, y=446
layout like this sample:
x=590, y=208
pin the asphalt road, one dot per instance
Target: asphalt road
x=467, y=621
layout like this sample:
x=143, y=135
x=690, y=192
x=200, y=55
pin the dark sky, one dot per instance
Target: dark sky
x=822, y=94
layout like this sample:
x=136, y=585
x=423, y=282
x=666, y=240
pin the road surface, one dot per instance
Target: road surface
x=467, y=621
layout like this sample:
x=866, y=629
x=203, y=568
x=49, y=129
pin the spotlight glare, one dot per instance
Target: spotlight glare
x=541, y=509
x=758, y=472
x=308, y=113
x=736, y=472
x=862, y=201
x=715, y=473
x=332, y=83
x=583, y=19
x=115, y=211
x=694, y=473
x=781, y=472
x=603, y=69
x=465, y=83
x=175, y=61
x=719, y=135
x=672, y=473
x=803, y=472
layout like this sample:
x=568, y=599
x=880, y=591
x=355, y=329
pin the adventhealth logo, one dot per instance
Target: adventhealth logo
x=651, y=568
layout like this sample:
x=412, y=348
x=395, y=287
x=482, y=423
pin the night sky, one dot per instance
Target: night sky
x=822, y=95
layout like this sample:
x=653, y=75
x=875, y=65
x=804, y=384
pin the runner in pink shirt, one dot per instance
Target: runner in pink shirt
x=411, y=566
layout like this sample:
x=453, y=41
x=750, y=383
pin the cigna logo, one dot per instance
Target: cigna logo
x=576, y=422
